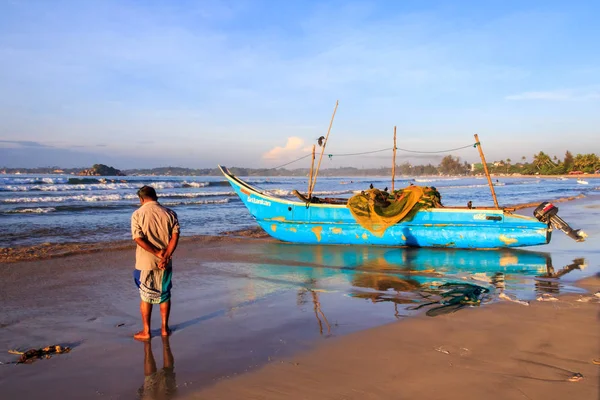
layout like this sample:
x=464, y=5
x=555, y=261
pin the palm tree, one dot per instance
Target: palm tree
x=586, y=162
x=541, y=159
x=508, y=160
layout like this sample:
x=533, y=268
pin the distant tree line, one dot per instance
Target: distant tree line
x=541, y=163
x=544, y=164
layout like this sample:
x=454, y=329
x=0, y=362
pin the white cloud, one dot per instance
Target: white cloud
x=293, y=147
x=557, y=95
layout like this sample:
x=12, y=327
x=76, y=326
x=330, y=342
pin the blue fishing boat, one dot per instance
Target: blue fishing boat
x=331, y=221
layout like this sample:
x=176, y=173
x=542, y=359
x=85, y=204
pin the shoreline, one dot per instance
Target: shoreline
x=52, y=250
x=49, y=250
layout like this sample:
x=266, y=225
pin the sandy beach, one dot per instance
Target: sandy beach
x=507, y=351
x=254, y=318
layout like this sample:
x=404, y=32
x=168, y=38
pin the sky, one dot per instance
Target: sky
x=149, y=83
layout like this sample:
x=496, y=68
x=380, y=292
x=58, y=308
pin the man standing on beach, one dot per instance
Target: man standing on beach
x=155, y=229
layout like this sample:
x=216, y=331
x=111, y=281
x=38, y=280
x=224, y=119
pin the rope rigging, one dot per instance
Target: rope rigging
x=330, y=156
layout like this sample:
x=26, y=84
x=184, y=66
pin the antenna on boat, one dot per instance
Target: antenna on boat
x=322, y=151
x=310, y=178
x=394, y=161
x=487, y=173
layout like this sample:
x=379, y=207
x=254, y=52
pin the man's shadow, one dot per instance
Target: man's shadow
x=158, y=384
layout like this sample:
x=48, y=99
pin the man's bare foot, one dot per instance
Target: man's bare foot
x=166, y=332
x=142, y=336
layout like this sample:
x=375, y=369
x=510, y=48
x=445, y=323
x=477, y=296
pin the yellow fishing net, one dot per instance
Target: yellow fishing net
x=376, y=210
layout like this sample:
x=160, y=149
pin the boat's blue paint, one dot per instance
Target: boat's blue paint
x=294, y=221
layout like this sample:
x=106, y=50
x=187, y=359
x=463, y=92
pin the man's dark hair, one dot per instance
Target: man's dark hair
x=147, y=192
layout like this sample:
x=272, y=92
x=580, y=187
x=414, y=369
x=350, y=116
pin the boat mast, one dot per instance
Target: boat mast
x=312, y=166
x=487, y=173
x=323, y=151
x=394, y=161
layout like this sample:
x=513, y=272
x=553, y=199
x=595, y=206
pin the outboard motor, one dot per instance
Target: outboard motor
x=548, y=213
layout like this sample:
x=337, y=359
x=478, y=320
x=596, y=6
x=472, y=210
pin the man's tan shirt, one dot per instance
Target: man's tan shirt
x=156, y=224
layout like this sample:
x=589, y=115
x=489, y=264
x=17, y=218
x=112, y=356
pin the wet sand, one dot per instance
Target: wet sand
x=507, y=351
x=53, y=250
x=255, y=318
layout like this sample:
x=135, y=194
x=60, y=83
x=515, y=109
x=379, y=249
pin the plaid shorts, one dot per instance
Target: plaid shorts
x=154, y=285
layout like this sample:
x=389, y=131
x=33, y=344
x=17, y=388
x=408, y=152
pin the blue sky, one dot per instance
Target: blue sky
x=254, y=83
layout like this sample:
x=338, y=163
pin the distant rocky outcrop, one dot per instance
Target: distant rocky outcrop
x=101, y=170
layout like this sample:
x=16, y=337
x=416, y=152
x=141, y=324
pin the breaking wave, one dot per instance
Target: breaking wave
x=107, y=207
x=106, y=197
x=91, y=184
x=39, y=210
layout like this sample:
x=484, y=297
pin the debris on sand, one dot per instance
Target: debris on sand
x=31, y=355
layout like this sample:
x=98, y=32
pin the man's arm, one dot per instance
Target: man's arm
x=168, y=252
x=149, y=247
x=172, y=245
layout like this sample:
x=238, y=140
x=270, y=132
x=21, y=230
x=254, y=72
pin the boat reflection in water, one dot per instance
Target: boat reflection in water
x=436, y=281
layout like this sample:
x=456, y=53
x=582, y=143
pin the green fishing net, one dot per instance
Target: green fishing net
x=377, y=210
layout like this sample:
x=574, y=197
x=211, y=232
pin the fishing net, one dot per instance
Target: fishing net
x=377, y=210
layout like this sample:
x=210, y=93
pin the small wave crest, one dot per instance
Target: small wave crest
x=32, y=180
x=192, y=203
x=38, y=210
x=256, y=182
x=65, y=187
x=332, y=192
x=107, y=197
x=59, y=199
x=287, y=193
x=89, y=184
x=195, y=194
x=194, y=184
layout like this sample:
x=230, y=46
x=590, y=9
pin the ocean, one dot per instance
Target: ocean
x=36, y=209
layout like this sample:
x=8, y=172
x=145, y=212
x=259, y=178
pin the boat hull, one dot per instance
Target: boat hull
x=294, y=221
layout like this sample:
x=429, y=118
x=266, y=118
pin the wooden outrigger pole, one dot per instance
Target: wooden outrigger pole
x=394, y=161
x=487, y=173
x=314, y=181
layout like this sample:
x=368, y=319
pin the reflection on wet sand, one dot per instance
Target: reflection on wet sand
x=319, y=314
x=446, y=279
x=388, y=288
x=451, y=297
x=158, y=385
x=406, y=260
x=449, y=293
x=550, y=285
x=411, y=280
